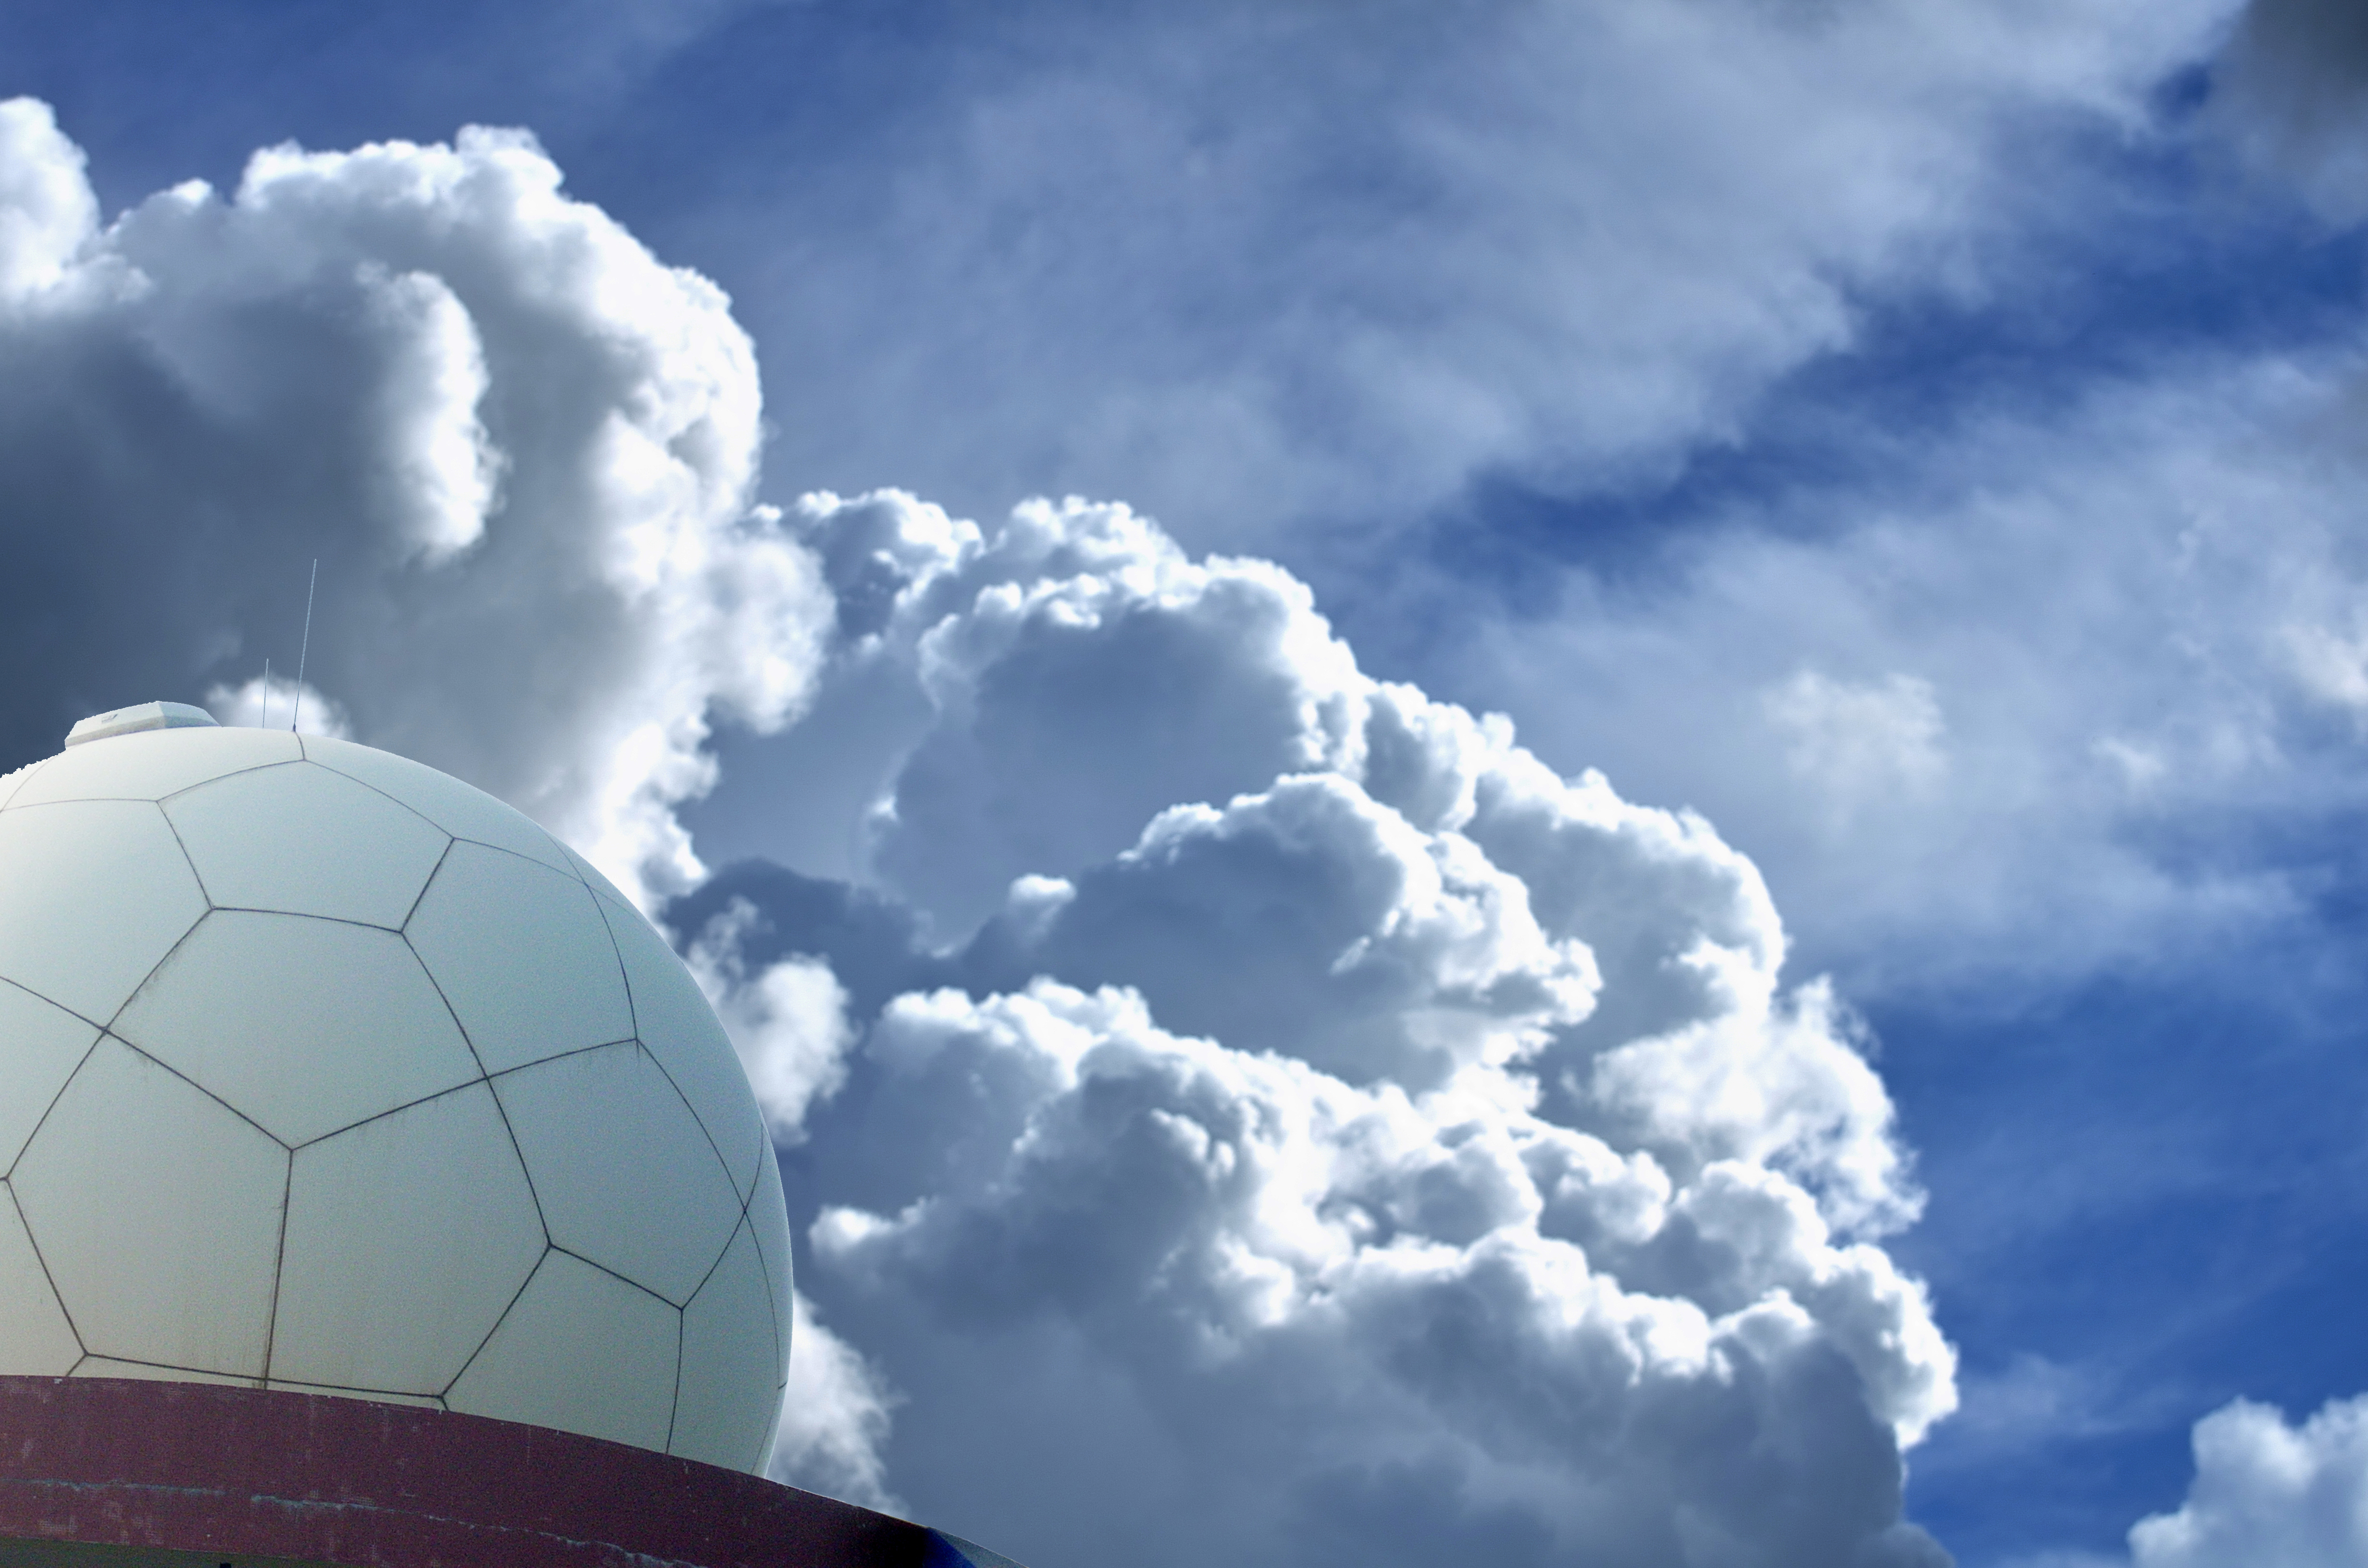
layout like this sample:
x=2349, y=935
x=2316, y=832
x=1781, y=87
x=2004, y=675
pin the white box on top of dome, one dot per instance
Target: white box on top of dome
x=320, y=1070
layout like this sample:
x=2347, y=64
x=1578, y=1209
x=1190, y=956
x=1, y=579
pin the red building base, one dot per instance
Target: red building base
x=106, y=1473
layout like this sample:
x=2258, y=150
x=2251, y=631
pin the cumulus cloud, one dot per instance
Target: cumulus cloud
x=2267, y=1492
x=522, y=449
x=1251, y=1111
x=835, y=1416
x=788, y=1021
x=1316, y=1127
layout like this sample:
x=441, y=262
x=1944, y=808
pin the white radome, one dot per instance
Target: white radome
x=320, y=1070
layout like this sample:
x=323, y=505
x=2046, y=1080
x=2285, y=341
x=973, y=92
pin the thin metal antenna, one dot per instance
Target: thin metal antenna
x=304, y=650
x=266, y=694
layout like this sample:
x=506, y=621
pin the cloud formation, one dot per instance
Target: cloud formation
x=1236, y=1108
x=1263, y=270
x=522, y=449
x=2267, y=1492
x=1316, y=1125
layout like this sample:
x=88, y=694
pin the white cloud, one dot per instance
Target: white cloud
x=522, y=449
x=2122, y=613
x=279, y=703
x=788, y=1021
x=1353, y=1137
x=1854, y=739
x=1315, y=1286
x=2266, y=1492
x=834, y=1416
x=1261, y=270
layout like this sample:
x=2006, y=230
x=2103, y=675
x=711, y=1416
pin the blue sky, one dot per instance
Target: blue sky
x=1921, y=440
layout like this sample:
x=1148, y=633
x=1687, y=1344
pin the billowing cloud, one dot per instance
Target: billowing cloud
x=521, y=448
x=2267, y=1492
x=1234, y=1109
x=1313, y=1125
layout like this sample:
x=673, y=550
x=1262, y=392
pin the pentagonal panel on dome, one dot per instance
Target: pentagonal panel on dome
x=41, y=1043
x=157, y=1211
x=581, y=1351
x=306, y=841
x=768, y=1221
x=626, y=1177
x=521, y=955
x=461, y=810
x=408, y=1237
x=729, y=1394
x=153, y=764
x=93, y=893
x=671, y=1016
x=305, y=1026
x=35, y=1340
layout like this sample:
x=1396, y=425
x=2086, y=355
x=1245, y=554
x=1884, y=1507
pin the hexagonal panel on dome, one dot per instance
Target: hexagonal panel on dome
x=672, y=1017
x=626, y=1177
x=157, y=1211
x=522, y=956
x=93, y=893
x=304, y=1025
x=306, y=840
x=153, y=764
x=35, y=1340
x=457, y=808
x=41, y=1043
x=729, y=1398
x=407, y=1238
x=582, y=1351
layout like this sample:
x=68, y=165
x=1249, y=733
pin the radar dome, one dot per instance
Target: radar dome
x=322, y=1071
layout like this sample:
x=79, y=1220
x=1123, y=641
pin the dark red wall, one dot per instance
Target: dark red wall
x=237, y=1471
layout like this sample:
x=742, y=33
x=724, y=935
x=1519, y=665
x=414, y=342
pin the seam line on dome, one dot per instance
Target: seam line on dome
x=233, y=773
x=195, y=875
x=50, y=1279
x=613, y=1274
x=25, y=775
x=356, y=779
x=278, y=1265
x=304, y=914
x=178, y=943
x=424, y=883
x=39, y=1121
x=162, y=1065
x=500, y=1110
x=563, y=1056
x=501, y=1317
x=445, y=1093
x=633, y=1006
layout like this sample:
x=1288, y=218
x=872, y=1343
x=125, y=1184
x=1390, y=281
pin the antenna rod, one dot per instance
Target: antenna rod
x=266, y=694
x=304, y=650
